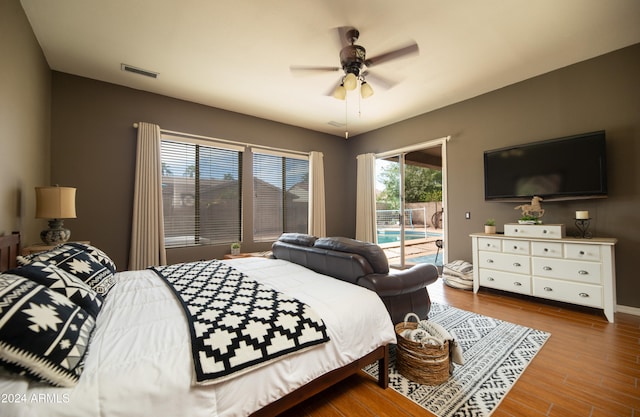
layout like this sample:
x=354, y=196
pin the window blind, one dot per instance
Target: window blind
x=281, y=194
x=201, y=192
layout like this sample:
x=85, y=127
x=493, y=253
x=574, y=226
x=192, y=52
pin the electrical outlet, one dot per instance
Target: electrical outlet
x=467, y=215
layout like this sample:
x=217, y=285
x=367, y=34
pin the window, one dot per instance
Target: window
x=201, y=192
x=281, y=194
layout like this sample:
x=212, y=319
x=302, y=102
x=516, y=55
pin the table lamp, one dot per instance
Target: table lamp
x=55, y=203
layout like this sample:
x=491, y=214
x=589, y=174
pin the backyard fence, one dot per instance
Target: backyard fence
x=391, y=218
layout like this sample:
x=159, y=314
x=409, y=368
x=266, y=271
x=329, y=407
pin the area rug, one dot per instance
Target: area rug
x=496, y=353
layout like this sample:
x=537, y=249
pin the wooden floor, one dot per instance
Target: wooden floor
x=588, y=368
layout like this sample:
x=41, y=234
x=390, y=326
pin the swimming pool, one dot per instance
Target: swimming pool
x=389, y=236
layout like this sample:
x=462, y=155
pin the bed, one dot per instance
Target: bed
x=139, y=361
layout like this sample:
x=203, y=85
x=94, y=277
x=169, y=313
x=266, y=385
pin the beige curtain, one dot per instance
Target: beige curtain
x=147, y=234
x=317, y=222
x=366, y=198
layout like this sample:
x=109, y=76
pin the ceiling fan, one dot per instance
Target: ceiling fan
x=355, y=64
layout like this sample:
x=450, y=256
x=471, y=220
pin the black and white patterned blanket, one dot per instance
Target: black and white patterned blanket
x=236, y=323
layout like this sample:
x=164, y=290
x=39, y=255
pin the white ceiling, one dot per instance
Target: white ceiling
x=236, y=55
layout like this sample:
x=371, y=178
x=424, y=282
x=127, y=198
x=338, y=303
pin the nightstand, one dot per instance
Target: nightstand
x=240, y=255
x=41, y=247
x=264, y=254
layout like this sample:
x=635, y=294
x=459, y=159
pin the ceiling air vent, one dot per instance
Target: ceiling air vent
x=139, y=71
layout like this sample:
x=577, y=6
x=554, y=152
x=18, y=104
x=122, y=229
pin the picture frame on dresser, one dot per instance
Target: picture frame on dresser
x=572, y=270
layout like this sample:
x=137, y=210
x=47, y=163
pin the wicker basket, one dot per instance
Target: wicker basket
x=423, y=364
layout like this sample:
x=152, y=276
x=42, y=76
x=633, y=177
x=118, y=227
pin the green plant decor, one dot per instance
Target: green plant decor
x=490, y=222
x=530, y=219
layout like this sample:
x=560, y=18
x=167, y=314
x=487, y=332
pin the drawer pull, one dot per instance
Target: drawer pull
x=517, y=284
x=489, y=261
x=515, y=247
x=581, y=252
x=583, y=295
x=549, y=289
x=490, y=279
x=517, y=264
x=488, y=245
x=547, y=268
x=546, y=249
x=516, y=230
x=583, y=272
x=545, y=231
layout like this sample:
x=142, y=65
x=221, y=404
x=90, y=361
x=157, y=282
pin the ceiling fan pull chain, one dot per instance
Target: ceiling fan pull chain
x=346, y=119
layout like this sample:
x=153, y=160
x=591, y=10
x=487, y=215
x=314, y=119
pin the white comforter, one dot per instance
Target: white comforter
x=139, y=361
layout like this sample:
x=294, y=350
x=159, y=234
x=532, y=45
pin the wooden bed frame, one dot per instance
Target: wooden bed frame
x=9, y=250
x=319, y=384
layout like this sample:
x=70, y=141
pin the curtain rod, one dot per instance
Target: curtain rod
x=416, y=147
x=232, y=142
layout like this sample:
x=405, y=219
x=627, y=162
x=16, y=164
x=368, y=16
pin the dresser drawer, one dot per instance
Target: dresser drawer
x=493, y=245
x=505, y=262
x=571, y=292
x=567, y=270
x=548, y=249
x=505, y=281
x=520, y=247
x=582, y=252
x=548, y=231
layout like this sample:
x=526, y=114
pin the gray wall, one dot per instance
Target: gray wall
x=25, y=100
x=599, y=94
x=93, y=145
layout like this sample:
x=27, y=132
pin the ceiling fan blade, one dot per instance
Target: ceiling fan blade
x=378, y=81
x=395, y=54
x=310, y=68
x=313, y=68
x=333, y=88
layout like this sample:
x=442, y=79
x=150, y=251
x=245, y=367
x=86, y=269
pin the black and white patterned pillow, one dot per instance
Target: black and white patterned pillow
x=102, y=257
x=43, y=335
x=62, y=282
x=76, y=262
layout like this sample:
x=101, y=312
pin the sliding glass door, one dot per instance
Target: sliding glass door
x=390, y=208
x=409, y=206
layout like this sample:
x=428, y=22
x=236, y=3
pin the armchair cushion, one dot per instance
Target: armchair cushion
x=401, y=282
x=370, y=251
x=300, y=239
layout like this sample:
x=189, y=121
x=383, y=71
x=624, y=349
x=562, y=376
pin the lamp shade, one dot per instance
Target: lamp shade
x=55, y=203
x=350, y=81
x=365, y=90
x=340, y=92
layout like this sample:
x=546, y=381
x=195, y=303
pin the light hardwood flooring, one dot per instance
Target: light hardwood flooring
x=588, y=368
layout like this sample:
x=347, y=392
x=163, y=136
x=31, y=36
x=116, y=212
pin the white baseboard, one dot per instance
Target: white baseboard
x=628, y=310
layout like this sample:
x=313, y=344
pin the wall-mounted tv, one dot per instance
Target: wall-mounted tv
x=568, y=168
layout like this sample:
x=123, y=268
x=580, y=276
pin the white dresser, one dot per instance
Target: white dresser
x=572, y=270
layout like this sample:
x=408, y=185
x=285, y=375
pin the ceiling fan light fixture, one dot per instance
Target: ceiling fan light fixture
x=340, y=92
x=350, y=81
x=365, y=90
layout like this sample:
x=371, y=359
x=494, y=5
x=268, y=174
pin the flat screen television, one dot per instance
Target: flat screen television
x=568, y=168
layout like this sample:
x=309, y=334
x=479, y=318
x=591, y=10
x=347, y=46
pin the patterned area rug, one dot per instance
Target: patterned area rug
x=496, y=353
